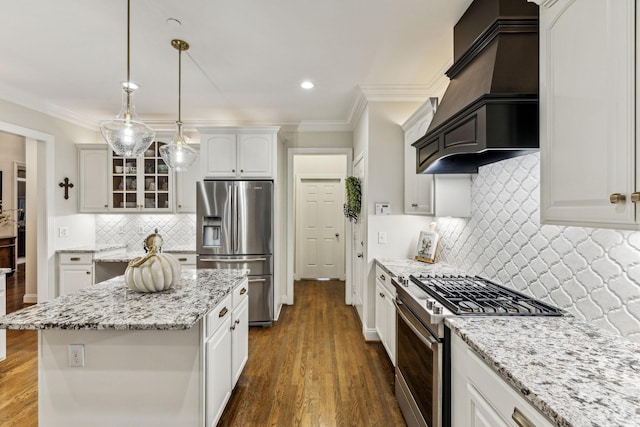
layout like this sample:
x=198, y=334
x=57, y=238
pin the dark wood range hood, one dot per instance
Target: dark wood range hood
x=489, y=112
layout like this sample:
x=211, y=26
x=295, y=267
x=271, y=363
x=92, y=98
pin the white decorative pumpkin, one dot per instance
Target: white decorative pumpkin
x=153, y=273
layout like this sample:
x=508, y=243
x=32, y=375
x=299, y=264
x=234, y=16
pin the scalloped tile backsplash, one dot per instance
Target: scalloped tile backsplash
x=177, y=231
x=592, y=273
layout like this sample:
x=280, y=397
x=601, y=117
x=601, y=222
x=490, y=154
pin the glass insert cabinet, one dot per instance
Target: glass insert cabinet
x=141, y=183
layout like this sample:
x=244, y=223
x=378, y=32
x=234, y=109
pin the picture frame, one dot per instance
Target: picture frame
x=427, y=249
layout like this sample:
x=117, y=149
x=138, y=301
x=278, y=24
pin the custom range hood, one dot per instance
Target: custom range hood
x=489, y=112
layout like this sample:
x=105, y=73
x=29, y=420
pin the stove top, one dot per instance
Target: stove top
x=468, y=295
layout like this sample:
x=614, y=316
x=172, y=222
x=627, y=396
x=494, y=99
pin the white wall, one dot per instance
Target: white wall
x=592, y=273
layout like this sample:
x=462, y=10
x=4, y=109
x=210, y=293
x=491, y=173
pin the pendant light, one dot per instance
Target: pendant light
x=126, y=135
x=178, y=155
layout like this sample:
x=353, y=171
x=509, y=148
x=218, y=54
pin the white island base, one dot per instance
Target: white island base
x=130, y=378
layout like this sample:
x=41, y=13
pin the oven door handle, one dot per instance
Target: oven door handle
x=429, y=341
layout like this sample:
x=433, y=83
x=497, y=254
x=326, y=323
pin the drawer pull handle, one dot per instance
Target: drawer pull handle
x=520, y=419
x=75, y=258
x=414, y=205
x=617, y=198
x=237, y=321
x=382, y=277
x=635, y=197
x=233, y=327
x=243, y=291
x=381, y=295
x=88, y=272
x=182, y=259
x=223, y=312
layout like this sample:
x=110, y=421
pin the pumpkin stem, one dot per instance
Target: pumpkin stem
x=137, y=262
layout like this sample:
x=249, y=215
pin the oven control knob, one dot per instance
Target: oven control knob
x=437, y=309
x=405, y=281
x=430, y=304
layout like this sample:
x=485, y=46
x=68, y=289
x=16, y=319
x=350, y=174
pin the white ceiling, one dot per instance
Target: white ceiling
x=246, y=61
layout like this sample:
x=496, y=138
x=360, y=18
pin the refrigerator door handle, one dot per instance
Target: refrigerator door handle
x=257, y=280
x=237, y=225
x=232, y=259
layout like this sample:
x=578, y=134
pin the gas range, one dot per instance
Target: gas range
x=473, y=295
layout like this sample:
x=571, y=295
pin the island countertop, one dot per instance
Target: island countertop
x=111, y=305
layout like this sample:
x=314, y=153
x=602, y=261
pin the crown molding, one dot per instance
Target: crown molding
x=26, y=100
x=324, y=126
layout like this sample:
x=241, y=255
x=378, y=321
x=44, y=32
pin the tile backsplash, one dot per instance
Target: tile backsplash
x=592, y=273
x=177, y=231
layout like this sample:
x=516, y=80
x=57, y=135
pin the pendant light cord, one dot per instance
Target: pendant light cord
x=128, y=83
x=179, y=85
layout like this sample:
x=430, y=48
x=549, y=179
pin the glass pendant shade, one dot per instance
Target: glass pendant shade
x=126, y=135
x=178, y=155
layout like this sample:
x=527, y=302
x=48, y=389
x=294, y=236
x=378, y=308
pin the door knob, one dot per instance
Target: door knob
x=635, y=197
x=617, y=198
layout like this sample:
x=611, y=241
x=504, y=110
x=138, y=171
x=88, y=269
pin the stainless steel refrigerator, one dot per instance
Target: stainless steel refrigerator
x=235, y=230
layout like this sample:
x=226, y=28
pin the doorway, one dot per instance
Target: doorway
x=320, y=223
x=20, y=191
x=323, y=164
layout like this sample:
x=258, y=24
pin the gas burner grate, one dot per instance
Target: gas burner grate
x=467, y=295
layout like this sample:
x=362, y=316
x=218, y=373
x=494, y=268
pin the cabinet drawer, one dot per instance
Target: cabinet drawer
x=385, y=279
x=240, y=293
x=218, y=315
x=185, y=259
x=73, y=258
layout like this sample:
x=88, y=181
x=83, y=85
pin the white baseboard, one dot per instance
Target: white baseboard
x=370, y=335
x=30, y=299
x=277, y=314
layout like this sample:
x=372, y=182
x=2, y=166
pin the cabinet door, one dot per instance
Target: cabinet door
x=219, y=156
x=255, y=155
x=186, y=187
x=74, y=277
x=155, y=186
x=217, y=372
x=390, y=326
x=418, y=188
x=380, y=316
x=94, y=184
x=239, y=339
x=587, y=119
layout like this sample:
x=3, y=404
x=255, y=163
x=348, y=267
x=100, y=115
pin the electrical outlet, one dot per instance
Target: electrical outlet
x=76, y=355
x=120, y=229
x=63, y=231
x=382, y=237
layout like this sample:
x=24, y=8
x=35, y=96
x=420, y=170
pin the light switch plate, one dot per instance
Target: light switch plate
x=383, y=209
x=382, y=237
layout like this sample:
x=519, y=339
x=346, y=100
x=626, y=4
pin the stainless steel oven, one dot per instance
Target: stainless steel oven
x=418, y=370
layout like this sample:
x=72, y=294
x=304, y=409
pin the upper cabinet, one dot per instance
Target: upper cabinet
x=588, y=143
x=186, y=187
x=94, y=184
x=238, y=152
x=425, y=194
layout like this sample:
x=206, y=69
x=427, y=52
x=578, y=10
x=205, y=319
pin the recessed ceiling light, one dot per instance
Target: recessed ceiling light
x=307, y=84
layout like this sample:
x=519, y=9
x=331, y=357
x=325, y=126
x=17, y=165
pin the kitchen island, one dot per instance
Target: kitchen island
x=160, y=359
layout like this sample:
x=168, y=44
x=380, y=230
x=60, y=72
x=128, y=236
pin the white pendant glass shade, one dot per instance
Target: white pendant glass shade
x=126, y=135
x=178, y=155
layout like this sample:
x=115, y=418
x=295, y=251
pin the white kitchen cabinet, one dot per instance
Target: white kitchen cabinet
x=588, y=143
x=75, y=271
x=239, y=338
x=385, y=313
x=3, y=311
x=479, y=397
x=218, y=371
x=142, y=183
x=94, y=185
x=426, y=194
x=186, y=186
x=238, y=152
x=185, y=260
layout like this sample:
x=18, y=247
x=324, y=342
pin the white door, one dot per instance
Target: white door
x=320, y=228
x=358, y=244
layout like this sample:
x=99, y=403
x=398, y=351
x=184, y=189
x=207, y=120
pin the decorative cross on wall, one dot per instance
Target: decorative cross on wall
x=67, y=185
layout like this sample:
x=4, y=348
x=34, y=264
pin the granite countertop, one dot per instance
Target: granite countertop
x=111, y=305
x=407, y=266
x=574, y=373
x=94, y=248
x=128, y=256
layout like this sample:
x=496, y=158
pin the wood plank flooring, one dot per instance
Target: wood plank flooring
x=313, y=368
x=19, y=372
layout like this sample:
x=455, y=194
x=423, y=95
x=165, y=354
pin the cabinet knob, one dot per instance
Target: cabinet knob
x=382, y=277
x=617, y=198
x=635, y=197
x=414, y=205
x=233, y=170
x=88, y=272
x=180, y=206
x=106, y=206
x=241, y=170
x=381, y=295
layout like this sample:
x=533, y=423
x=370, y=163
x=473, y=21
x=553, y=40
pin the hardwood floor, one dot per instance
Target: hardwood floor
x=19, y=372
x=313, y=368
